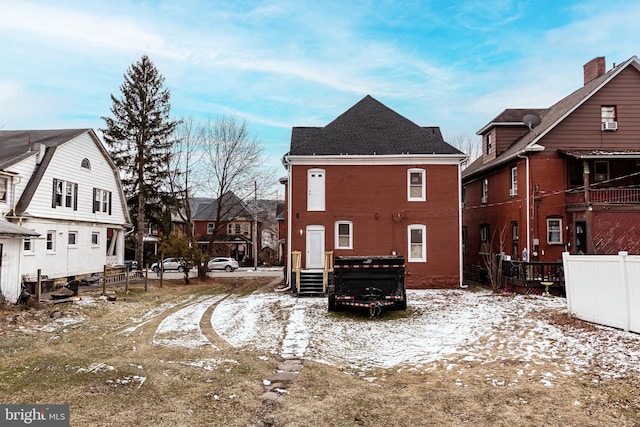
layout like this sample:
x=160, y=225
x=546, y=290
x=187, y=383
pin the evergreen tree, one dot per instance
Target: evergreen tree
x=139, y=138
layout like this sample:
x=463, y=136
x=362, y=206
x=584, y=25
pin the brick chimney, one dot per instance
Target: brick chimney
x=594, y=68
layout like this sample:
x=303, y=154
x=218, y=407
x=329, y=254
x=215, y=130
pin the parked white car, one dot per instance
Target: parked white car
x=169, y=264
x=222, y=263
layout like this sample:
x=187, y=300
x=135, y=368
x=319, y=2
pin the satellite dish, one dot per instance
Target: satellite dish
x=531, y=120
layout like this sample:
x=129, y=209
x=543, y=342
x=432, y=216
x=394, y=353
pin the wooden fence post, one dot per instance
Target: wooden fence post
x=38, y=286
x=104, y=280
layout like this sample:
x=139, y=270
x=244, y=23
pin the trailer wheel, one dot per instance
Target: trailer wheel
x=332, y=302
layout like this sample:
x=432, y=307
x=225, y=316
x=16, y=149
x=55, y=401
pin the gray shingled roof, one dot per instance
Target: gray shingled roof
x=550, y=117
x=16, y=145
x=368, y=128
x=8, y=229
x=232, y=208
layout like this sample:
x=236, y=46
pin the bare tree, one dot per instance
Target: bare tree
x=493, y=261
x=236, y=165
x=468, y=144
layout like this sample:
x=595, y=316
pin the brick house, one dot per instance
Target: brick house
x=372, y=182
x=233, y=235
x=563, y=178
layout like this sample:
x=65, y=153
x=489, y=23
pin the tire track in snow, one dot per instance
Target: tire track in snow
x=182, y=328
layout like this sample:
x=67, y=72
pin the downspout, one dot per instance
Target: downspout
x=528, y=203
x=460, y=254
x=287, y=164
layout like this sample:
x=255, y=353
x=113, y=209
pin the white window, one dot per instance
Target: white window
x=417, y=243
x=245, y=229
x=416, y=186
x=489, y=143
x=513, y=189
x=485, y=190
x=211, y=228
x=101, y=201
x=65, y=194
x=3, y=189
x=72, y=239
x=316, y=190
x=28, y=246
x=344, y=235
x=51, y=241
x=554, y=231
x=95, y=238
x=608, y=113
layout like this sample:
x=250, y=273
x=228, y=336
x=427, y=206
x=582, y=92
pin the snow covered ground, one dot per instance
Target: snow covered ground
x=450, y=327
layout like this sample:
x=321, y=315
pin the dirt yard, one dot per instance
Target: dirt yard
x=202, y=354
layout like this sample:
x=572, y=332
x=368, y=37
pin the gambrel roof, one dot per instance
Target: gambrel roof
x=17, y=145
x=369, y=128
x=549, y=118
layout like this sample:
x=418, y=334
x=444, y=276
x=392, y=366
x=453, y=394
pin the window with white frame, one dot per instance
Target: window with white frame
x=95, y=238
x=554, y=231
x=608, y=113
x=316, y=189
x=72, y=238
x=4, y=182
x=416, y=185
x=489, y=143
x=485, y=190
x=65, y=194
x=417, y=243
x=101, y=201
x=51, y=240
x=211, y=227
x=513, y=188
x=28, y=246
x=344, y=235
x=245, y=229
x=85, y=164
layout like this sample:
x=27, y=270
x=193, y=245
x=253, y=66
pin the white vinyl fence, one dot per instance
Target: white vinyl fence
x=604, y=289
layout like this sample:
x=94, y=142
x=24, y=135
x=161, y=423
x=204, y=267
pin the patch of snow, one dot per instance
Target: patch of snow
x=182, y=328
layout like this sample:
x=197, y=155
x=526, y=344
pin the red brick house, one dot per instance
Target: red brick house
x=233, y=234
x=372, y=182
x=563, y=178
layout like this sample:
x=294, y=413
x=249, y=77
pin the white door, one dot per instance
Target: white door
x=315, y=246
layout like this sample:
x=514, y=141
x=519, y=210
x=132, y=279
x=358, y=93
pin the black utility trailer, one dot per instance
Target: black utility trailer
x=375, y=282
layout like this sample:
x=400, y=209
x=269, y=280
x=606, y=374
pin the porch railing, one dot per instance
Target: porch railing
x=296, y=266
x=534, y=277
x=600, y=196
x=327, y=268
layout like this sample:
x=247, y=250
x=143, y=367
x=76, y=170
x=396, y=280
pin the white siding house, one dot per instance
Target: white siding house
x=66, y=189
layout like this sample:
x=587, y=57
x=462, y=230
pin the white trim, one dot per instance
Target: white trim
x=337, y=235
x=423, y=188
x=369, y=160
x=423, y=255
x=559, y=231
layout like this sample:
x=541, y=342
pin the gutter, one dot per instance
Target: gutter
x=460, y=253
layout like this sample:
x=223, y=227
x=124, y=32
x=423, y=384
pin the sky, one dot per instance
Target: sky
x=284, y=63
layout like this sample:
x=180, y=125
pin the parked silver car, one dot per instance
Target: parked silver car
x=169, y=264
x=222, y=263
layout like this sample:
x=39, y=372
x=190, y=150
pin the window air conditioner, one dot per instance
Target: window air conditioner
x=610, y=126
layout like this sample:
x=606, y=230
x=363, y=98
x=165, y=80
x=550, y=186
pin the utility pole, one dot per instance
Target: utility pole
x=255, y=225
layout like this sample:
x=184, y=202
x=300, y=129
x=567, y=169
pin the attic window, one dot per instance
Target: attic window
x=489, y=143
x=608, y=113
x=85, y=164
